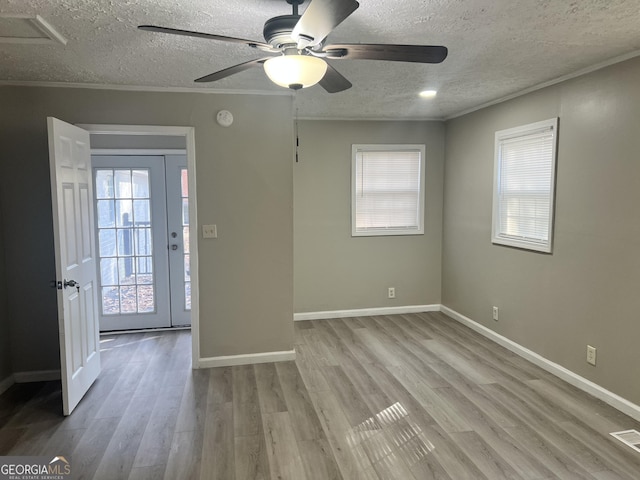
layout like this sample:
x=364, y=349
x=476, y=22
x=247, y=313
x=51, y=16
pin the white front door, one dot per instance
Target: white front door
x=73, y=222
x=141, y=207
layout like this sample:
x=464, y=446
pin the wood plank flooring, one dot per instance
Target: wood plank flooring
x=407, y=397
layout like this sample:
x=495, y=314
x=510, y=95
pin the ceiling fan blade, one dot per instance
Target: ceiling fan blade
x=219, y=75
x=394, y=53
x=333, y=81
x=320, y=18
x=210, y=36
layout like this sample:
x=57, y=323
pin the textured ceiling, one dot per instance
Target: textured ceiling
x=496, y=48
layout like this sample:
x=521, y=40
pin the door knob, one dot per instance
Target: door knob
x=70, y=283
x=174, y=247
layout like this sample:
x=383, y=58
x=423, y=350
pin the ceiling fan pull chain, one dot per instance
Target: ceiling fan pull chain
x=295, y=102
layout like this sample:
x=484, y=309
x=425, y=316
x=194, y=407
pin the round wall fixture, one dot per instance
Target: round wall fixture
x=224, y=118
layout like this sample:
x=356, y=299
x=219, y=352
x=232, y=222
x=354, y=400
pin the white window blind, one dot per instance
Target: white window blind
x=387, y=189
x=524, y=186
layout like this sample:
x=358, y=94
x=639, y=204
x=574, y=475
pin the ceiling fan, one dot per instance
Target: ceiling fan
x=300, y=41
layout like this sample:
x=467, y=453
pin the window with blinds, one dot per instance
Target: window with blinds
x=524, y=186
x=387, y=190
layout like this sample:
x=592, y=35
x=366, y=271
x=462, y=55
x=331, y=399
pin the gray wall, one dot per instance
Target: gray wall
x=586, y=292
x=245, y=185
x=5, y=346
x=334, y=271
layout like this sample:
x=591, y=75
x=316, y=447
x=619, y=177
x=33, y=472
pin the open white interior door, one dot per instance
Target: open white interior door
x=72, y=196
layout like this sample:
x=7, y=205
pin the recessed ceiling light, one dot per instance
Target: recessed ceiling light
x=428, y=93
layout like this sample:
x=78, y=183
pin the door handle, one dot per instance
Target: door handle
x=174, y=247
x=68, y=283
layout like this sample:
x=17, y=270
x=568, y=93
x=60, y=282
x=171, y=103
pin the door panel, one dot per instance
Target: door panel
x=178, y=223
x=71, y=189
x=85, y=209
x=69, y=222
x=132, y=236
x=90, y=331
x=76, y=333
x=143, y=241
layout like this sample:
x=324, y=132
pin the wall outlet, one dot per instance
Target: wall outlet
x=392, y=292
x=495, y=313
x=591, y=355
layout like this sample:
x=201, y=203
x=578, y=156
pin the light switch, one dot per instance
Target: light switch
x=209, y=231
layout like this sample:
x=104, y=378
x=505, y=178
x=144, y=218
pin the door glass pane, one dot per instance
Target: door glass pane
x=107, y=241
x=125, y=246
x=122, y=180
x=140, y=183
x=109, y=271
x=106, y=214
x=143, y=241
x=128, y=301
x=126, y=271
x=184, y=184
x=104, y=184
x=141, y=212
x=144, y=270
x=185, y=239
x=123, y=213
x=185, y=211
x=110, y=301
x=187, y=295
x=145, y=299
x=125, y=239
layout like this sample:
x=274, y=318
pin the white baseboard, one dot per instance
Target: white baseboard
x=6, y=384
x=610, y=398
x=365, y=312
x=37, y=376
x=247, y=359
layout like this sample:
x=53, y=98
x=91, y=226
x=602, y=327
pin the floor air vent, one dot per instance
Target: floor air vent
x=629, y=437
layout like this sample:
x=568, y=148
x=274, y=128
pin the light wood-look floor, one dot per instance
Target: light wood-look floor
x=407, y=397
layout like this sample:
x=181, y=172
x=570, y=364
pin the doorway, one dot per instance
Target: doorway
x=142, y=232
x=118, y=140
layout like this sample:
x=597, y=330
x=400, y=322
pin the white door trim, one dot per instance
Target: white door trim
x=189, y=134
x=138, y=151
x=172, y=131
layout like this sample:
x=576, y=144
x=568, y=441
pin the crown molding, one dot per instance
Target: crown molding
x=141, y=88
x=548, y=83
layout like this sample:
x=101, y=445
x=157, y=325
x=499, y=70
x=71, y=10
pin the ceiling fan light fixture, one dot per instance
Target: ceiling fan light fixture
x=295, y=71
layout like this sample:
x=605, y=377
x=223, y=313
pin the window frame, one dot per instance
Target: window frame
x=371, y=232
x=498, y=237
